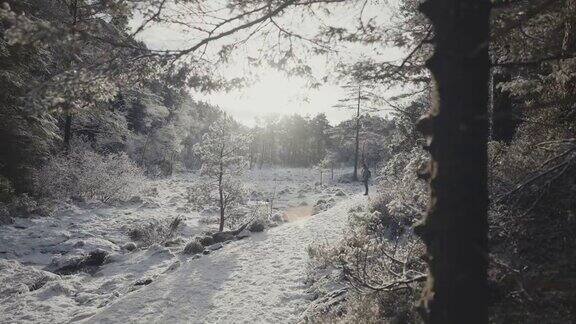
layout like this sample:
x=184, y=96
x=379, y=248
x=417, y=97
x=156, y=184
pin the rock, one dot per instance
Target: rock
x=151, y=204
x=174, y=242
x=130, y=246
x=257, y=226
x=19, y=279
x=76, y=262
x=143, y=282
x=276, y=218
x=222, y=236
x=193, y=247
x=173, y=266
x=205, y=240
x=206, y=252
x=136, y=200
x=243, y=234
x=215, y=247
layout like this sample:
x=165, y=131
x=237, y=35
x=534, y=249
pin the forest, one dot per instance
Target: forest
x=128, y=195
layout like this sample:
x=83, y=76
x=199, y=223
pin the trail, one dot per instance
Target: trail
x=256, y=280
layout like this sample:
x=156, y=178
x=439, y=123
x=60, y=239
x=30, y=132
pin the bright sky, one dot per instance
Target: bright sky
x=273, y=93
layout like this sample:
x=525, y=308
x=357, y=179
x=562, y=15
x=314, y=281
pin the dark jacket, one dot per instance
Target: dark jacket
x=366, y=174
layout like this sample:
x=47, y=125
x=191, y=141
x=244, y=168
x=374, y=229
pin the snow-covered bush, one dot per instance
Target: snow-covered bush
x=193, y=247
x=155, y=232
x=379, y=254
x=385, y=269
x=401, y=194
x=85, y=174
x=257, y=225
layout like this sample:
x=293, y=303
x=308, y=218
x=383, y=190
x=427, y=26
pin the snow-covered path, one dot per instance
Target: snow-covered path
x=256, y=280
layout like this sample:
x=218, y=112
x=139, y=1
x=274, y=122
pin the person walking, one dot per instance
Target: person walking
x=366, y=174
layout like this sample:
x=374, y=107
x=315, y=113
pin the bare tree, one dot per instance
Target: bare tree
x=353, y=101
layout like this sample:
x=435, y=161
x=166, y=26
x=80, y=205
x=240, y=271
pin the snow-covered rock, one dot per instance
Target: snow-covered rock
x=214, y=247
x=243, y=234
x=78, y=260
x=220, y=237
x=16, y=278
x=129, y=246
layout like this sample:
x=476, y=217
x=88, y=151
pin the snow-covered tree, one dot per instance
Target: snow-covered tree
x=329, y=161
x=222, y=152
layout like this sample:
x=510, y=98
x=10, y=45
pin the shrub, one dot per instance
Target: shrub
x=193, y=247
x=155, y=232
x=5, y=214
x=205, y=240
x=257, y=225
x=85, y=174
x=6, y=190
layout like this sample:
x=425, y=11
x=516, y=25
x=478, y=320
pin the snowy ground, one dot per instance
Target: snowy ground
x=258, y=279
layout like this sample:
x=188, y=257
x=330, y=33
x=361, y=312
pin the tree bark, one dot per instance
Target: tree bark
x=569, y=40
x=455, y=228
x=73, y=7
x=355, y=175
x=221, y=191
x=67, y=131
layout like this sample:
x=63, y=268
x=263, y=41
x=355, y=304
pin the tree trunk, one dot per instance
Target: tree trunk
x=67, y=131
x=73, y=7
x=143, y=156
x=569, y=40
x=221, y=191
x=355, y=175
x=455, y=229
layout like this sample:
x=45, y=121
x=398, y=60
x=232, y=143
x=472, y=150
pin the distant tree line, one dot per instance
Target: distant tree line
x=298, y=141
